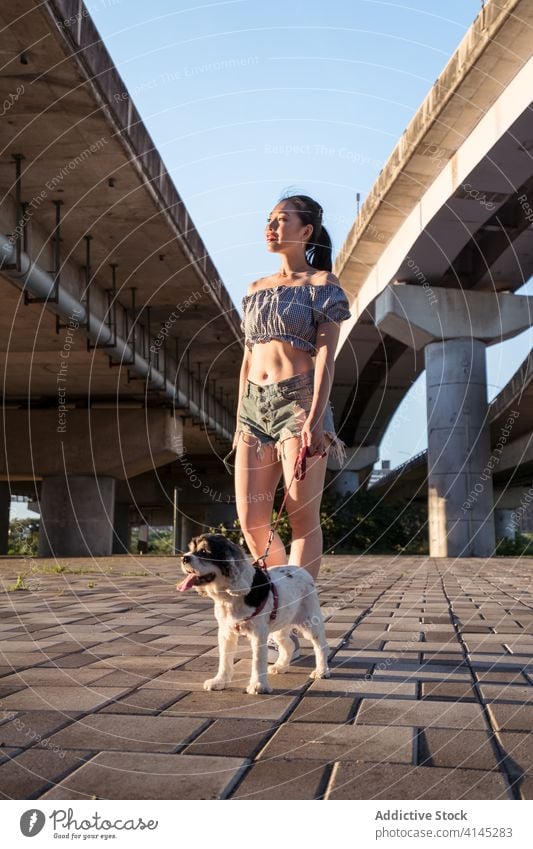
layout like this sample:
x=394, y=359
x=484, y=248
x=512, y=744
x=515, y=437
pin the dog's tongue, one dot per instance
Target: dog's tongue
x=189, y=582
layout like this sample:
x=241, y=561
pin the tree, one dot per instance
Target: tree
x=23, y=537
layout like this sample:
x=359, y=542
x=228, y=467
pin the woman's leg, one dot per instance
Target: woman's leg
x=257, y=474
x=303, y=506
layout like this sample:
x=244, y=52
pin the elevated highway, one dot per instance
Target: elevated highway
x=120, y=345
x=442, y=241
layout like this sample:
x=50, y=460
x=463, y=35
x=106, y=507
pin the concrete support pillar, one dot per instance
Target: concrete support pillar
x=77, y=516
x=504, y=526
x=345, y=482
x=453, y=325
x=188, y=529
x=512, y=514
x=217, y=514
x=346, y=479
x=192, y=523
x=176, y=523
x=121, y=530
x=5, y=507
x=459, y=485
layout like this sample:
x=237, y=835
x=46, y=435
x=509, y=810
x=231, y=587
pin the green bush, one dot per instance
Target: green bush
x=356, y=524
x=23, y=539
x=521, y=544
x=161, y=541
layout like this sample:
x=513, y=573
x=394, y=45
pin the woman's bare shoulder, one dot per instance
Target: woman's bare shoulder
x=261, y=283
x=321, y=278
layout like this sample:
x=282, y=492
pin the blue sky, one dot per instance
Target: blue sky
x=245, y=99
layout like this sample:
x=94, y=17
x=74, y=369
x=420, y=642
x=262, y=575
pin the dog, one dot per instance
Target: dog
x=254, y=602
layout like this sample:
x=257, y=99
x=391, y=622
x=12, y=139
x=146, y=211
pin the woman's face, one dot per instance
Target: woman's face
x=284, y=229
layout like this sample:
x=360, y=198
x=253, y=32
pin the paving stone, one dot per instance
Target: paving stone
x=17, y=645
x=365, y=643
x=232, y=704
x=74, y=661
x=154, y=652
x=346, y=666
x=338, y=708
x=400, y=712
x=410, y=672
x=519, y=748
x=502, y=677
x=156, y=664
x=341, y=742
x=121, y=678
x=444, y=747
x=7, y=753
x=456, y=691
x=292, y=681
x=52, y=677
x=150, y=776
x=506, y=662
x=5, y=670
x=62, y=698
x=128, y=733
x=8, y=689
x=237, y=738
x=19, y=660
x=27, y=729
x=524, y=785
x=174, y=636
x=441, y=657
x=365, y=657
x=32, y=772
x=399, y=781
x=206, y=665
x=364, y=688
x=428, y=646
x=179, y=679
x=147, y=701
x=145, y=650
x=507, y=693
x=398, y=637
x=283, y=778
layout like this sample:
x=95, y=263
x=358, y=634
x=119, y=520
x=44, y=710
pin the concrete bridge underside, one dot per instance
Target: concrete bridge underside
x=448, y=224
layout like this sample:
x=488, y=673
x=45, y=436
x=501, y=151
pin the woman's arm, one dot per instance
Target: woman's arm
x=326, y=344
x=245, y=369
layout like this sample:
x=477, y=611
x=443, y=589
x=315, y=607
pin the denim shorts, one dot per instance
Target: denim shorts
x=272, y=413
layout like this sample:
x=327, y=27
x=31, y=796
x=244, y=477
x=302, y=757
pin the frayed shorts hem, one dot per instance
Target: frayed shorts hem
x=271, y=414
x=336, y=447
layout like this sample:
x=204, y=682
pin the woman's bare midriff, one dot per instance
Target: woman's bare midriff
x=276, y=360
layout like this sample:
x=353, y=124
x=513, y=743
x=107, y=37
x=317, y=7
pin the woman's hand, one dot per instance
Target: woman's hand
x=312, y=435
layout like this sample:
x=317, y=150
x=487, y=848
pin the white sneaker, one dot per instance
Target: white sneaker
x=273, y=649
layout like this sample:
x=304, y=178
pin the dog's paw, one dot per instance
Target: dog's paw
x=256, y=688
x=317, y=674
x=277, y=669
x=214, y=684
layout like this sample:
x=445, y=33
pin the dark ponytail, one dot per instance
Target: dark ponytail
x=318, y=249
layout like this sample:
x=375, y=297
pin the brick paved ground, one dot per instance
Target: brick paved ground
x=431, y=692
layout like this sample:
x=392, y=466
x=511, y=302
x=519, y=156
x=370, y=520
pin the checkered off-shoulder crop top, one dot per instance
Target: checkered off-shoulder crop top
x=292, y=313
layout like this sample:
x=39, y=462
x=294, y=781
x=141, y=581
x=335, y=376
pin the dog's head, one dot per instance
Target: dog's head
x=214, y=560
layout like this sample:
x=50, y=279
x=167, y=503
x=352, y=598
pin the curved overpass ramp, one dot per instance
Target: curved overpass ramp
x=449, y=218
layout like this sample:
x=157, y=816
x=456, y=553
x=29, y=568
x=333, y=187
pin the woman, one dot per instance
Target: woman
x=289, y=319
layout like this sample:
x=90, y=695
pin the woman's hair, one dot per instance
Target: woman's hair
x=318, y=247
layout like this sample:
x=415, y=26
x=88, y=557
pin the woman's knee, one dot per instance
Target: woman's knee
x=253, y=525
x=305, y=522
